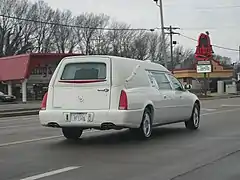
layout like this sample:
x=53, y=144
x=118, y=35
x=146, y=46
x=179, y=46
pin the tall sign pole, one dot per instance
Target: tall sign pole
x=203, y=55
x=239, y=54
x=160, y=5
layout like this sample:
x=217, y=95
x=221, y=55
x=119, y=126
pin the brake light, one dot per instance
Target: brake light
x=123, y=102
x=44, y=102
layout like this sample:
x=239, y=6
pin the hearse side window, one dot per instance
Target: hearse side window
x=176, y=83
x=162, y=81
x=84, y=71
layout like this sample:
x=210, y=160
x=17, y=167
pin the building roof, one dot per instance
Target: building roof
x=19, y=67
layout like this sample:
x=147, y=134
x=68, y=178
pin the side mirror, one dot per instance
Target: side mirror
x=133, y=73
x=187, y=86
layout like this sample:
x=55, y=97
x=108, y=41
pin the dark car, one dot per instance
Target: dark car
x=6, y=98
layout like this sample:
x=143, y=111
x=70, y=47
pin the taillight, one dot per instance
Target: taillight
x=44, y=101
x=123, y=102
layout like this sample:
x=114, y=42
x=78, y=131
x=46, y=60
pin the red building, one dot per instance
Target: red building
x=28, y=69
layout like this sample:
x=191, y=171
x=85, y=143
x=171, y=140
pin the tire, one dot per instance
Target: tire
x=145, y=130
x=72, y=133
x=194, y=122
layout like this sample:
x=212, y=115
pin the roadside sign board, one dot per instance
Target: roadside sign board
x=204, y=68
x=204, y=62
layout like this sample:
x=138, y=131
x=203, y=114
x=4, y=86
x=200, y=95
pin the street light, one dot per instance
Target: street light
x=160, y=5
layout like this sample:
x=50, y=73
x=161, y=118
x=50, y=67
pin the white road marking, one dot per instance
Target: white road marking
x=230, y=105
x=207, y=109
x=51, y=173
x=30, y=140
x=39, y=139
x=22, y=118
x=220, y=112
x=18, y=126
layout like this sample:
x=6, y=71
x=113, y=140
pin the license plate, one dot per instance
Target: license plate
x=78, y=117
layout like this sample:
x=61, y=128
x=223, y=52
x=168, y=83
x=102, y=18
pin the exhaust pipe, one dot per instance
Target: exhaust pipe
x=109, y=126
x=53, y=125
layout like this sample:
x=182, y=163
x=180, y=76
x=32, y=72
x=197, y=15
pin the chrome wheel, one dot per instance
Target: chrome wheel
x=196, y=117
x=194, y=121
x=145, y=129
x=147, y=125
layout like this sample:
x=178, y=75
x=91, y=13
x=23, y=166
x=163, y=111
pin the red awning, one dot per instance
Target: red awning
x=13, y=67
x=19, y=67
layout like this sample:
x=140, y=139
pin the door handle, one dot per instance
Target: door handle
x=103, y=90
x=180, y=96
x=165, y=97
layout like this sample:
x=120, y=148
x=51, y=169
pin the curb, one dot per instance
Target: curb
x=19, y=113
x=18, y=110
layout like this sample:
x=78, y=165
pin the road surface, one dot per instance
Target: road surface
x=29, y=151
x=9, y=106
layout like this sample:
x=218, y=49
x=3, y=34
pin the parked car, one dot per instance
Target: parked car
x=107, y=92
x=6, y=98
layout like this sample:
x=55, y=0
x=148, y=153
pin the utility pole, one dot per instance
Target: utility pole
x=239, y=54
x=163, y=33
x=171, y=43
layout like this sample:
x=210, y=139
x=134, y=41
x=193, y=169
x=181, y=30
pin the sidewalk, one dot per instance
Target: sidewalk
x=214, y=96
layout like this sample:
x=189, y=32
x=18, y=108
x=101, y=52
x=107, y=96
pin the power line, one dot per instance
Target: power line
x=205, y=8
x=209, y=28
x=218, y=7
x=75, y=26
x=102, y=28
x=220, y=47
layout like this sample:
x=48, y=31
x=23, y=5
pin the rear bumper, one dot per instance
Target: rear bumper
x=121, y=119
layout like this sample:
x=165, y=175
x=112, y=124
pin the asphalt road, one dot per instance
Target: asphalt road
x=29, y=151
x=9, y=106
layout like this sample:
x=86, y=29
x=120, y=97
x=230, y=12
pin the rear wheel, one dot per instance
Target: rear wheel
x=194, y=121
x=145, y=130
x=72, y=133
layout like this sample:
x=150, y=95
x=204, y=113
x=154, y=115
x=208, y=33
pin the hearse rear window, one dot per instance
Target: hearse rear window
x=84, y=71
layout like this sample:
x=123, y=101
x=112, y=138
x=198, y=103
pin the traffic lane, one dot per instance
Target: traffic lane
x=19, y=106
x=225, y=168
x=176, y=153
x=17, y=129
x=28, y=129
x=173, y=150
x=219, y=103
x=18, y=120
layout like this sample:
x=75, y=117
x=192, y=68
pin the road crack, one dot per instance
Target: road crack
x=205, y=165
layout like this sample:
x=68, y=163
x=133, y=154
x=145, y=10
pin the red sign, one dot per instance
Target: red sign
x=204, y=49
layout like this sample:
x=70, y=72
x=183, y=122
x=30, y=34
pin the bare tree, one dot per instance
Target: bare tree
x=14, y=33
x=64, y=36
x=48, y=30
x=92, y=25
x=159, y=58
x=44, y=33
x=183, y=57
x=223, y=59
x=140, y=46
x=153, y=46
x=120, y=41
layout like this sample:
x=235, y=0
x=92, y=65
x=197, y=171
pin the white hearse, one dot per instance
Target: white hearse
x=108, y=92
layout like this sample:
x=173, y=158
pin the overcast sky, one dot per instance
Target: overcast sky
x=219, y=17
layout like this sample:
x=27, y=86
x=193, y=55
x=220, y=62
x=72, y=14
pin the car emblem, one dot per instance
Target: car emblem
x=80, y=98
